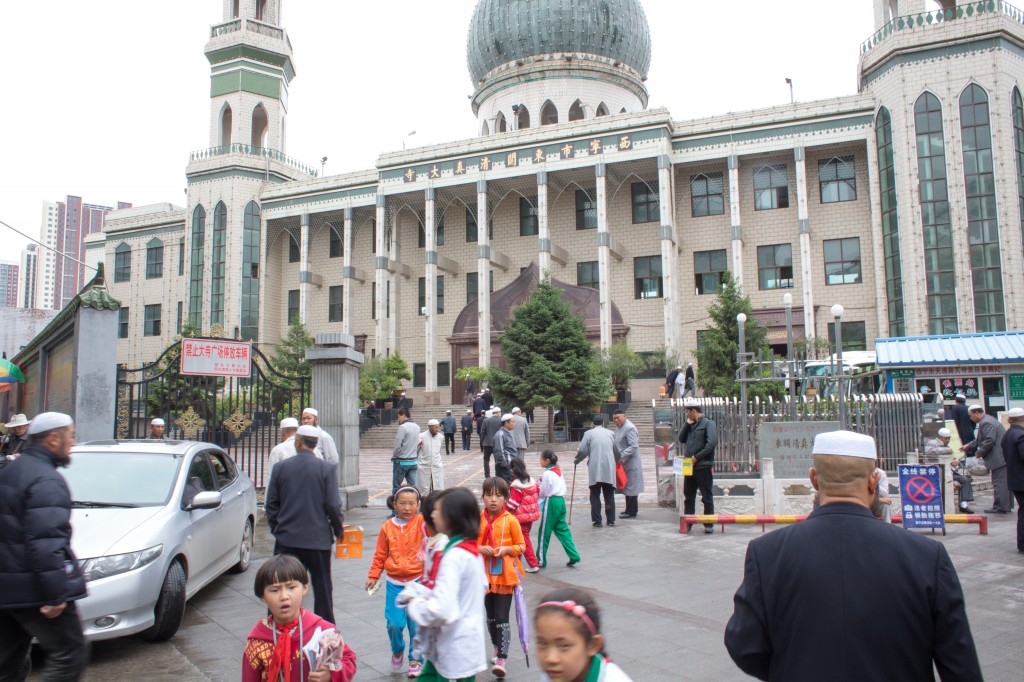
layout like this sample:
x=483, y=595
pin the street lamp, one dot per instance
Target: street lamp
x=741, y=319
x=787, y=302
x=837, y=313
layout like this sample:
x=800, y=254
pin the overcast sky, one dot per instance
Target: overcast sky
x=106, y=99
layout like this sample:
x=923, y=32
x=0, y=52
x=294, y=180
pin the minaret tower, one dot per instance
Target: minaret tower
x=250, y=69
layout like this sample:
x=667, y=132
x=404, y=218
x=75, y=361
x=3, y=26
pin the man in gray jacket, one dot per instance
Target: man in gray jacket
x=699, y=437
x=598, y=446
x=521, y=431
x=491, y=425
x=504, y=445
x=627, y=445
x=403, y=459
x=988, y=446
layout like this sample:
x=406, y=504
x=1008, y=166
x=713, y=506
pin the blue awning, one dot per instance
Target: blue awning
x=994, y=348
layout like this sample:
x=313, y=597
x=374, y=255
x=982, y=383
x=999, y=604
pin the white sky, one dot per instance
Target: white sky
x=106, y=99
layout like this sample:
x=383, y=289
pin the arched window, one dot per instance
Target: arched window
x=982, y=216
x=225, y=126
x=122, y=263
x=890, y=223
x=154, y=259
x=261, y=10
x=602, y=109
x=484, y=130
x=234, y=9
x=523, y=118
x=576, y=111
x=500, y=124
x=622, y=110
x=251, y=272
x=195, y=296
x=548, y=114
x=260, y=127
x=220, y=234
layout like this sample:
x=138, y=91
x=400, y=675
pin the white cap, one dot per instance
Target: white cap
x=48, y=421
x=1015, y=413
x=312, y=411
x=403, y=392
x=960, y=396
x=17, y=420
x=846, y=444
x=469, y=410
x=157, y=422
x=972, y=408
x=289, y=423
x=691, y=402
x=515, y=409
x=505, y=418
x=433, y=422
x=308, y=431
x=946, y=433
x=447, y=411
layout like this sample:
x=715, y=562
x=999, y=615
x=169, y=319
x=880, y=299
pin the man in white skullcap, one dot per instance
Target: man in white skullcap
x=429, y=467
x=807, y=608
x=937, y=450
x=1013, y=453
x=303, y=511
x=39, y=572
x=491, y=426
x=448, y=431
x=286, y=448
x=466, y=424
x=326, y=441
x=521, y=431
x=987, y=446
x=156, y=429
x=504, y=447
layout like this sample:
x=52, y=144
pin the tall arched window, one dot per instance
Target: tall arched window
x=548, y=114
x=220, y=233
x=261, y=10
x=982, y=215
x=523, y=118
x=195, y=297
x=890, y=223
x=122, y=263
x=260, y=127
x=602, y=109
x=940, y=275
x=251, y=272
x=234, y=9
x=225, y=126
x=1018, y=146
x=576, y=111
x=500, y=124
x=484, y=130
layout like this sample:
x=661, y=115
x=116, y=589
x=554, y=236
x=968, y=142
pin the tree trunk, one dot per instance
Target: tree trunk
x=551, y=425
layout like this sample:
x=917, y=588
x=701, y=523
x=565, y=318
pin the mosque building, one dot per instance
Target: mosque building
x=903, y=201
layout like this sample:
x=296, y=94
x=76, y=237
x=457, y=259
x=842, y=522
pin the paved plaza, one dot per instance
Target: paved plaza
x=666, y=597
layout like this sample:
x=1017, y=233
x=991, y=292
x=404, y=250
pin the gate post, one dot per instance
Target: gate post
x=335, y=392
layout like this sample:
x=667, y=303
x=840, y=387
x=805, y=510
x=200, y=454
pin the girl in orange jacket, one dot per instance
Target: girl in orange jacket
x=501, y=544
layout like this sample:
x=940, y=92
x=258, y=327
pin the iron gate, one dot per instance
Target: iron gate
x=241, y=415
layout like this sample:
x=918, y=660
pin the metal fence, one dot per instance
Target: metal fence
x=893, y=419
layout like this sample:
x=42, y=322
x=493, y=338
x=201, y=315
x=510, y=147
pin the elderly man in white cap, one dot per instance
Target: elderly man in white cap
x=808, y=606
x=429, y=466
x=39, y=573
x=448, y=431
x=15, y=440
x=987, y=446
x=327, y=446
x=156, y=429
x=304, y=514
x=466, y=425
x=1013, y=453
x=937, y=450
x=521, y=431
x=491, y=425
x=504, y=444
x=286, y=448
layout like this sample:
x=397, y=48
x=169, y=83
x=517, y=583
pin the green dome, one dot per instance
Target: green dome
x=505, y=30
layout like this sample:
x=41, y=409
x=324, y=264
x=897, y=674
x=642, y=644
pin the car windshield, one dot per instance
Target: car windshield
x=121, y=479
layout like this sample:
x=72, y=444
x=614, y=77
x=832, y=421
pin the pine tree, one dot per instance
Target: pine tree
x=548, y=360
x=289, y=361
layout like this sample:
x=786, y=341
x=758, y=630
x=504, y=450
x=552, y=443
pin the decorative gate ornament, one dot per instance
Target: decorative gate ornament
x=237, y=423
x=190, y=423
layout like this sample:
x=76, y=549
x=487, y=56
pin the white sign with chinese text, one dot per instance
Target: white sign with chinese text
x=216, y=357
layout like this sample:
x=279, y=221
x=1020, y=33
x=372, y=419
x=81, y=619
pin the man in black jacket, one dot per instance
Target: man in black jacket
x=1013, y=453
x=491, y=425
x=467, y=428
x=699, y=437
x=958, y=413
x=39, y=573
x=842, y=596
x=304, y=514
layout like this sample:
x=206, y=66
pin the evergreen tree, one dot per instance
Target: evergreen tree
x=716, y=372
x=548, y=360
x=289, y=361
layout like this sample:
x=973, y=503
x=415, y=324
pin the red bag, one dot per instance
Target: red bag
x=620, y=477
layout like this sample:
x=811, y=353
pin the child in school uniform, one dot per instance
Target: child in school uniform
x=524, y=503
x=570, y=646
x=501, y=544
x=552, y=511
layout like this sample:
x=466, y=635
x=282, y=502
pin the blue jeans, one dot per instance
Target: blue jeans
x=400, y=472
x=397, y=622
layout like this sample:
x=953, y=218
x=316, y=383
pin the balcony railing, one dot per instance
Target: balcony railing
x=252, y=26
x=223, y=29
x=983, y=8
x=249, y=150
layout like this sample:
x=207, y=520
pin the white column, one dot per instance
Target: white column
x=347, y=273
x=430, y=286
x=304, y=274
x=380, y=278
x=543, y=234
x=669, y=252
x=805, y=241
x=877, y=243
x=603, y=257
x=392, y=290
x=734, y=220
x=483, y=269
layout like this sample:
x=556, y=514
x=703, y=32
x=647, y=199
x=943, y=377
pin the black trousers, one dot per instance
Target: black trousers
x=61, y=638
x=632, y=505
x=702, y=480
x=449, y=438
x=609, y=502
x=498, y=607
x=318, y=563
x=466, y=435
x=1020, y=519
x=488, y=453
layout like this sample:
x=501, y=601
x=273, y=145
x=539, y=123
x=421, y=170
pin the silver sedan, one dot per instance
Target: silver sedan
x=153, y=522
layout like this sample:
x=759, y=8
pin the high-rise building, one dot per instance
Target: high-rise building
x=8, y=284
x=47, y=262
x=29, y=267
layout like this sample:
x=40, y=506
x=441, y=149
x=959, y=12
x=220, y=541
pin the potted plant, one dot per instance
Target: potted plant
x=621, y=363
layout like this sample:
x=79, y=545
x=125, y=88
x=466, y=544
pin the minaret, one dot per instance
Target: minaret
x=250, y=69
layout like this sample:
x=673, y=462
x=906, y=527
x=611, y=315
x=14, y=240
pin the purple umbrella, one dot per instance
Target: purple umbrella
x=523, y=621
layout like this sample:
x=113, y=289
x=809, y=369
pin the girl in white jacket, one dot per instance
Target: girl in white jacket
x=570, y=645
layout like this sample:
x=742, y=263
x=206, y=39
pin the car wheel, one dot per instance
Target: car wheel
x=244, y=550
x=170, y=607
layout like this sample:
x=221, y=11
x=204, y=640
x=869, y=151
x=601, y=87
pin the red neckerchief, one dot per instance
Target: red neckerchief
x=556, y=470
x=488, y=537
x=281, y=660
x=469, y=545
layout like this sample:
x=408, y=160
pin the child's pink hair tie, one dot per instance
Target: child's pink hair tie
x=575, y=609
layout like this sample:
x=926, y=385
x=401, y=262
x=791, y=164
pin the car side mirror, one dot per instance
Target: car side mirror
x=208, y=499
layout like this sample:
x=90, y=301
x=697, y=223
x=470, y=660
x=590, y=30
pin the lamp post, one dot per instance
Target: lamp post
x=837, y=313
x=787, y=302
x=741, y=320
